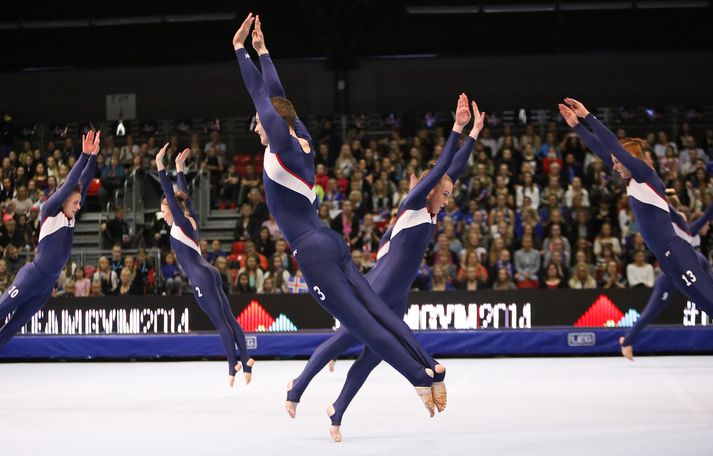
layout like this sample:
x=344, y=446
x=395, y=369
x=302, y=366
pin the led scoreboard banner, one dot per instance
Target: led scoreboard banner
x=455, y=310
x=454, y=323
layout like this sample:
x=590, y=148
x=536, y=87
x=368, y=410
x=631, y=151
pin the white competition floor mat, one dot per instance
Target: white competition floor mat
x=502, y=406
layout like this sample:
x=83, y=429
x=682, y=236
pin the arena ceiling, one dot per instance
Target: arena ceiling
x=87, y=34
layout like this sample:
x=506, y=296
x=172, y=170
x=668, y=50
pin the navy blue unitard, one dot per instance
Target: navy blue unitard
x=33, y=284
x=205, y=281
x=399, y=256
x=323, y=256
x=677, y=257
x=664, y=287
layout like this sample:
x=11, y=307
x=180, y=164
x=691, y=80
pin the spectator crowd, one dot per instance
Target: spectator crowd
x=534, y=209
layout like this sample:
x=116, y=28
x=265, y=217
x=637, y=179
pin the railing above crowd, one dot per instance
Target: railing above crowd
x=235, y=130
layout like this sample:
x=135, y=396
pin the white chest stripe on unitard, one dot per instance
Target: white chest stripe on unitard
x=278, y=173
x=54, y=224
x=408, y=219
x=645, y=194
x=682, y=234
x=178, y=234
x=383, y=250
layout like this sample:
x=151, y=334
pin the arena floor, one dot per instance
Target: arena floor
x=547, y=406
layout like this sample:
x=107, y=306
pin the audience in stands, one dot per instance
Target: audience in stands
x=534, y=209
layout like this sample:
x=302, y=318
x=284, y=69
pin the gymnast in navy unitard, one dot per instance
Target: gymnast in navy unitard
x=204, y=279
x=664, y=287
x=322, y=255
x=399, y=256
x=33, y=285
x=677, y=258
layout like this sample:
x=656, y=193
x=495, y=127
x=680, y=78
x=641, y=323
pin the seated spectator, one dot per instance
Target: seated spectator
x=278, y=274
x=112, y=178
x=67, y=290
x=582, y=278
x=6, y=277
x=242, y=284
x=368, y=237
x=284, y=256
x=11, y=235
x=553, y=277
x=13, y=260
x=332, y=194
x=473, y=244
x=527, y=264
x=82, y=285
x=361, y=262
x=29, y=235
x=127, y=286
x=575, y=189
x=473, y=261
x=606, y=238
x=246, y=226
x=22, y=201
x=144, y=271
x=640, y=273
x=251, y=180
x=251, y=250
x=42, y=178
x=606, y=257
x=503, y=280
x=230, y=188
x=259, y=208
x=380, y=200
x=439, y=279
x=108, y=279
x=158, y=235
x=272, y=227
x=320, y=176
x=172, y=275
x=203, y=247
x=117, y=261
x=268, y=287
x=213, y=164
x=346, y=223
x=117, y=230
x=216, y=252
x=504, y=262
x=253, y=271
x=669, y=162
x=611, y=277
x=221, y=264
x=454, y=243
x=471, y=282
x=637, y=245
x=67, y=273
x=264, y=244
x=581, y=227
x=556, y=244
x=528, y=189
x=97, y=289
x=130, y=262
x=442, y=253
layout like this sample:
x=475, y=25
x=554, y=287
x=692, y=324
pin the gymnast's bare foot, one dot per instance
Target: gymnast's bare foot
x=627, y=351
x=438, y=390
x=334, y=430
x=249, y=375
x=426, y=395
x=231, y=378
x=290, y=406
x=331, y=364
